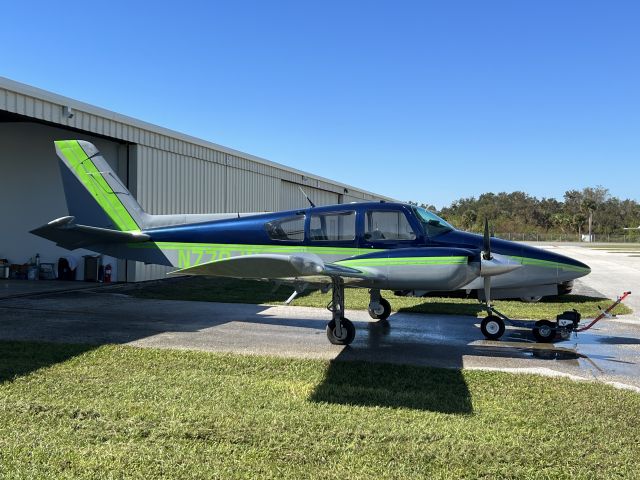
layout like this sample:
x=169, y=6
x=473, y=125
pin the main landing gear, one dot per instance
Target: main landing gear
x=340, y=330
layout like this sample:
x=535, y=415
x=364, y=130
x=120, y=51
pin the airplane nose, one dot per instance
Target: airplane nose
x=584, y=266
x=570, y=268
x=572, y=264
x=566, y=268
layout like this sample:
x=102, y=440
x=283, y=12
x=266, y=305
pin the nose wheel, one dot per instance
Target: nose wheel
x=492, y=327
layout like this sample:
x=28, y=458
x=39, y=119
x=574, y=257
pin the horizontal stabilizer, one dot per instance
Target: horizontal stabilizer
x=69, y=235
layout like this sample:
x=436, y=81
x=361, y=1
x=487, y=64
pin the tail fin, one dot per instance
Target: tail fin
x=94, y=193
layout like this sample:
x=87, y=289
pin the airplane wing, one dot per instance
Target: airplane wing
x=275, y=266
x=70, y=235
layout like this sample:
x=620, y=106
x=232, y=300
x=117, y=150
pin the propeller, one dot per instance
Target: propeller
x=486, y=244
x=491, y=265
x=486, y=256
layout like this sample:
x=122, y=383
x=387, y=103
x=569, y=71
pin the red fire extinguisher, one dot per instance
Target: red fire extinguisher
x=107, y=273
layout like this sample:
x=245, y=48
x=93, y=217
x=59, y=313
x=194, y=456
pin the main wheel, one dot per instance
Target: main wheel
x=532, y=299
x=386, y=310
x=492, y=327
x=544, y=331
x=348, y=332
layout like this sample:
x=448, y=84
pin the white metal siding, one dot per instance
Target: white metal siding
x=351, y=198
x=250, y=192
x=291, y=197
x=168, y=183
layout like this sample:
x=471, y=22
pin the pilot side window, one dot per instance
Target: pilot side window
x=333, y=227
x=387, y=225
x=290, y=228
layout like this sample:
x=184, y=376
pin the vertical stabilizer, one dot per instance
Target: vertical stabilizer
x=94, y=193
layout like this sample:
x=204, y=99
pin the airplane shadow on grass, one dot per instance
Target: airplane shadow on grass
x=386, y=366
x=396, y=386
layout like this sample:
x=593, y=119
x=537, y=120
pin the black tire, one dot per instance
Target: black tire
x=385, y=313
x=544, y=331
x=492, y=327
x=532, y=299
x=348, y=332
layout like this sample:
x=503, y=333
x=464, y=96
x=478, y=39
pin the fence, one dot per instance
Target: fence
x=633, y=237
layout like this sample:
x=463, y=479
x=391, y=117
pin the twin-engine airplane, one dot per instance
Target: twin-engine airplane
x=391, y=246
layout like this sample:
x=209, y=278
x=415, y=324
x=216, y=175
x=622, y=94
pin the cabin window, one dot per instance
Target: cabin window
x=290, y=228
x=332, y=227
x=387, y=225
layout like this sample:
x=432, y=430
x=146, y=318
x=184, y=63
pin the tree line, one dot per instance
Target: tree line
x=523, y=213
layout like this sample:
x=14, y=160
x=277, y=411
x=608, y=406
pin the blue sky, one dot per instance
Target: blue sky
x=427, y=101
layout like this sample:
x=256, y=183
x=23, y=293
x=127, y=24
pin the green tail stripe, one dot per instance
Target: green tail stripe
x=92, y=179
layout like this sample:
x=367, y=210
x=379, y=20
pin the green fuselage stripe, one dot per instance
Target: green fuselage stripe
x=244, y=249
x=548, y=264
x=97, y=186
x=389, y=262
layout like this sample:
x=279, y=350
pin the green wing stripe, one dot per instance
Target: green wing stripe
x=548, y=264
x=225, y=248
x=384, y=262
x=92, y=179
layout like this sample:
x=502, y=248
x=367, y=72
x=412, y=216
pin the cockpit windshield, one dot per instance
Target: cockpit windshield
x=433, y=225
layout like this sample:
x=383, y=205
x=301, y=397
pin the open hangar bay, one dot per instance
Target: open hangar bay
x=168, y=173
x=609, y=353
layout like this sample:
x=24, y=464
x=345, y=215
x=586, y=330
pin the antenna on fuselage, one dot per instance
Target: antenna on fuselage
x=307, y=197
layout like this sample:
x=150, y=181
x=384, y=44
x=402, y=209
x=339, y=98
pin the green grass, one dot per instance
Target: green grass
x=241, y=291
x=122, y=412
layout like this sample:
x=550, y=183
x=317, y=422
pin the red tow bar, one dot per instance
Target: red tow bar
x=604, y=313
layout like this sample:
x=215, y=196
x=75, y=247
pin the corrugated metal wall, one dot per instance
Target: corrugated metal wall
x=168, y=183
x=291, y=197
x=249, y=191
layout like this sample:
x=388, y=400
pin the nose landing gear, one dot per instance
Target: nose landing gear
x=492, y=327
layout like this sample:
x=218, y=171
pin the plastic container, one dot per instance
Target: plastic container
x=32, y=273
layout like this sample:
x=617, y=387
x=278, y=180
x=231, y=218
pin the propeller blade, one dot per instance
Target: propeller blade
x=486, y=245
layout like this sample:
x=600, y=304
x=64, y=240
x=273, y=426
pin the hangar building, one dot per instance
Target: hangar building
x=167, y=171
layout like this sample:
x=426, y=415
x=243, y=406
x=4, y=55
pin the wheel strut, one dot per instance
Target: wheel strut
x=340, y=331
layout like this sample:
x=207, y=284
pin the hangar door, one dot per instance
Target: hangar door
x=32, y=192
x=291, y=197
